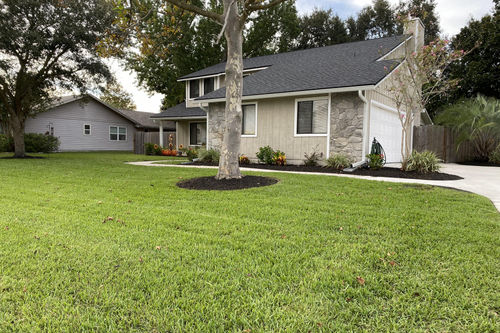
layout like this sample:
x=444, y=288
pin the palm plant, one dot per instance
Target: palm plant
x=476, y=120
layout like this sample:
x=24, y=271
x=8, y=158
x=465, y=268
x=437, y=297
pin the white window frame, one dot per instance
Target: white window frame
x=202, y=81
x=320, y=98
x=200, y=88
x=90, y=129
x=189, y=132
x=256, y=118
x=118, y=134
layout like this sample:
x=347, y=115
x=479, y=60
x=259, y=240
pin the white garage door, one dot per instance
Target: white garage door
x=386, y=128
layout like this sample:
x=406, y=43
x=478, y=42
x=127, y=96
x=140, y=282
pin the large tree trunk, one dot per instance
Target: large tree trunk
x=18, y=135
x=229, y=167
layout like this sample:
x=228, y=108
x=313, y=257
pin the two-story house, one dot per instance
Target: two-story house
x=335, y=98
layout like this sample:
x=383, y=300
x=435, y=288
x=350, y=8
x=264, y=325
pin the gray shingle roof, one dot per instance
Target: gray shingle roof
x=336, y=66
x=143, y=119
x=180, y=111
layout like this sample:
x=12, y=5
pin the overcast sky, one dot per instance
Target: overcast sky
x=453, y=14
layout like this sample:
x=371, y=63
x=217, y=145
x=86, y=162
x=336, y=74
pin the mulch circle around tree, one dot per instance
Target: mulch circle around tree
x=212, y=184
x=384, y=172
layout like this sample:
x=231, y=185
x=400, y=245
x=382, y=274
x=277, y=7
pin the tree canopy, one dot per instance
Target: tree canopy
x=117, y=97
x=46, y=45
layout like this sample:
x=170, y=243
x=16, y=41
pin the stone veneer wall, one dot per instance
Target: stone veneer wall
x=215, y=125
x=346, y=125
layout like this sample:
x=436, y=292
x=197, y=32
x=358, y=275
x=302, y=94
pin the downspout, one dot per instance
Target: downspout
x=365, y=126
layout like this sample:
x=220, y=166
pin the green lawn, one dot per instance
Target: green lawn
x=88, y=243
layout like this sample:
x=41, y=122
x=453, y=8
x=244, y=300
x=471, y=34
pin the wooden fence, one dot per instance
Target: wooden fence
x=442, y=141
x=140, y=138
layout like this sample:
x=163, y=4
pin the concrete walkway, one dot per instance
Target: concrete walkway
x=484, y=181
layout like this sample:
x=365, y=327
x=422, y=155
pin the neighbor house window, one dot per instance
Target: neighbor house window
x=197, y=134
x=249, y=121
x=312, y=116
x=194, y=88
x=86, y=129
x=117, y=133
x=208, y=85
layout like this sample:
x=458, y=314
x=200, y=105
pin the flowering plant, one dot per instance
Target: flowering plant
x=418, y=79
x=375, y=161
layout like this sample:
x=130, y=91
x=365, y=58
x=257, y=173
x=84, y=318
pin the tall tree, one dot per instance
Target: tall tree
x=179, y=43
x=321, y=28
x=425, y=10
x=117, y=97
x=46, y=45
x=272, y=30
x=172, y=43
x=233, y=22
x=479, y=70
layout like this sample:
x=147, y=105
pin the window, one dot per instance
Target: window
x=194, y=88
x=208, y=85
x=197, y=134
x=312, y=117
x=249, y=121
x=86, y=129
x=117, y=133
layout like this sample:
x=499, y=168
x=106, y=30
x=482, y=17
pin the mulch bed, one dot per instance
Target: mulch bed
x=210, y=183
x=384, y=172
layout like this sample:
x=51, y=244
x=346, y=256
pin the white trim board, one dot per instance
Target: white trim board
x=293, y=94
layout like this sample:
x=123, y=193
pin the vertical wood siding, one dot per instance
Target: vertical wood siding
x=68, y=121
x=275, y=127
x=442, y=141
x=140, y=138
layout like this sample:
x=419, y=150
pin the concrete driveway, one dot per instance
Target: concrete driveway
x=481, y=180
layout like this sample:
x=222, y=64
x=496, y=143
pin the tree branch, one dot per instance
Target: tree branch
x=197, y=10
x=266, y=6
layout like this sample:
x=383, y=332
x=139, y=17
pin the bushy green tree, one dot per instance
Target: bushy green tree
x=425, y=10
x=322, y=27
x=47, y=45
x=117, y=97
x=271, y=31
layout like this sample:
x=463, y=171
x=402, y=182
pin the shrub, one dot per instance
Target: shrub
x=37, y=142
x=375, y=161
x=149, y=148
x=209, y=156
x=192, y=153
x=265, y=155
x=244, y=160
x=279, y=158
x=423, y=162
x=476, y=120
x=6, y=144
x=494, y=156
x=314, y=158
x=338, y=161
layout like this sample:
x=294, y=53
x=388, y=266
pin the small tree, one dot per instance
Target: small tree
x=417, y=80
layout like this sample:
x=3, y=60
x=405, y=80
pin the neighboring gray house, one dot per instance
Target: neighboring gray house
x=92, y=126
x=335, y=98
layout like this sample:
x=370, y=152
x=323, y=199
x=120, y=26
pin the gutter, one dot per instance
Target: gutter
x=365, y=125
x=363, y=161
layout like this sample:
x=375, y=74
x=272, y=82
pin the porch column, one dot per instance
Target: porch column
x=161, y=133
